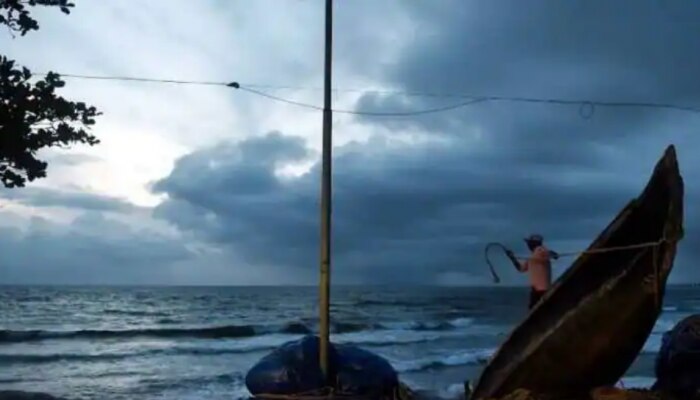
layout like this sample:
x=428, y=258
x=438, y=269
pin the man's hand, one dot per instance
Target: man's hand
x=514, y=260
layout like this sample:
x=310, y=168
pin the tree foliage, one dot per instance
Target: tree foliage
x=32, y=115
x=15, y=14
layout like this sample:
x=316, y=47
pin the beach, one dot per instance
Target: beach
x=198, y=342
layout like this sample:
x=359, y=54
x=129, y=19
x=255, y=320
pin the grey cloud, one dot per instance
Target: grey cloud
x=44, y=197
x=70, y=159
x=422, y=213
x=618, y=51
x=401, y=214
x=497, y=170
x=91, y=250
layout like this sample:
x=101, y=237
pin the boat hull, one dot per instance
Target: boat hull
x=591, y=325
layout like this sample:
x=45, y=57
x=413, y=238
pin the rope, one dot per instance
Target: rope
x=654, y=245
x=496, y=279
x=318, y=394
x=657, y=280
x=272, y=396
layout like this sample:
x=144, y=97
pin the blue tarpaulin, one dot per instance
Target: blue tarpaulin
x=678, y=360
x=294, y=368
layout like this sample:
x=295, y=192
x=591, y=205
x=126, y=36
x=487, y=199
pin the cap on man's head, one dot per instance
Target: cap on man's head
x=534, y=238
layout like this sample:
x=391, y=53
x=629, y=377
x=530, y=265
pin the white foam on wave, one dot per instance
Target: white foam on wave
x=470, y=357
x=383, y=337
x=665, y=324
x=401, y=325
x=402, y=333
x=636, y=382
x=653, y=344
x=457, y=323
x=453, y=391
x=406, y=332
x=370, y=337
x=462, y=322
x=257, y=343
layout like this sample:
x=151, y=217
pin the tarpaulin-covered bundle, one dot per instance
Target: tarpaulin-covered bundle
x=678, y=360
x=294, y=368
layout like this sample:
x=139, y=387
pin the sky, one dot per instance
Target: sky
x=207, y=185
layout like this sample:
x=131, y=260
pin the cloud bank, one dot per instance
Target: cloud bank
x=415, y=198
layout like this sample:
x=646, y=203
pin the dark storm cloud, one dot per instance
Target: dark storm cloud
x=496, y=171
x=91, y=250
x=401, y=214
x=643, y=51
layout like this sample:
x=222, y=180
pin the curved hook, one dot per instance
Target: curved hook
x=496, y=278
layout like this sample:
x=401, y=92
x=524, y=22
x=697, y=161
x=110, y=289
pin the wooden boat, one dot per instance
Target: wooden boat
x=591, y=325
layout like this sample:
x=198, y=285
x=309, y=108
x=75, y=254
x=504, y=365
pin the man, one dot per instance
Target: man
x=538, y=265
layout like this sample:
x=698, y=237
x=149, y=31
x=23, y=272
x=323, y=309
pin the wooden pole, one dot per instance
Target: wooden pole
x=324, y=292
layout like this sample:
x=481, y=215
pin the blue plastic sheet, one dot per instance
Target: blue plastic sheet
x=678, y=360
x=294, y=368
x=361, y=372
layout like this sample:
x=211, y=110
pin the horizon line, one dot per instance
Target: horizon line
x=354, y=285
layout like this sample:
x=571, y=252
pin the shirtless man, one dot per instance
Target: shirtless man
x=538, y=265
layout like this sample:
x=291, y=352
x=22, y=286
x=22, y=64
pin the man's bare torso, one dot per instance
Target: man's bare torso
x=539, y=268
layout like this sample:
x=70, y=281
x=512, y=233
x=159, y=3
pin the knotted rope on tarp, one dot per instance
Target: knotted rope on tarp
x=653, y=245
x=400, y=393
x=318, y=394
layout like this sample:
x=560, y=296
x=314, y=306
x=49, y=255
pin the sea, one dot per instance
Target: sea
x=199, y=342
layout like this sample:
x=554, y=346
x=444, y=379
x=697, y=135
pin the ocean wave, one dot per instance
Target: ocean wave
x=387, y=337
x=653, y=344
x=219, y=332
x=470, y=357
x=462, y=322
x=372, y=333
x=663, y=325
x=637, y=381
x=379, y=338
x=295, y=328
x=457, y=323
x=235, y=347
x=168, y=321
x=135, y=313
x=164, y=384
x=390, y=302
x=48, y=358
x=347, y=327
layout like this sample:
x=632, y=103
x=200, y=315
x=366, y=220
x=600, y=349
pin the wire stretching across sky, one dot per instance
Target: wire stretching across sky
x=586, y=107
x=366, y=113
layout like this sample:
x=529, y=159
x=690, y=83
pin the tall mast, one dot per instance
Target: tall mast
x=325, y=287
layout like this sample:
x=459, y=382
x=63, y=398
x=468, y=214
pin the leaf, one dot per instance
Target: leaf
x=17, y=13
x=38, y=118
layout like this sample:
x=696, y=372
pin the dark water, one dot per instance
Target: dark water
x=198, y=343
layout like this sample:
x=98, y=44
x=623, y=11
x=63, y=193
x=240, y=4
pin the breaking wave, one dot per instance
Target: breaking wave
x=232, y=331
x=220, y=332
x=470, y=357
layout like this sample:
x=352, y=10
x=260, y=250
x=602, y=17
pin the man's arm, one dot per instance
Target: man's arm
x=520, y=266
x=542, y=253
